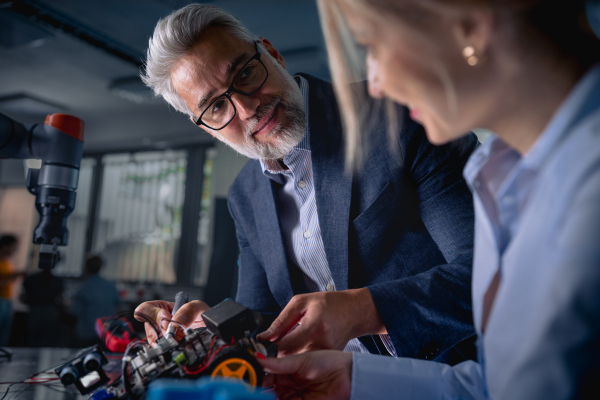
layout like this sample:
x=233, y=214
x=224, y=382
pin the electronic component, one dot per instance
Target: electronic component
x=85, y=370
x=231, y=320
x=226, y=349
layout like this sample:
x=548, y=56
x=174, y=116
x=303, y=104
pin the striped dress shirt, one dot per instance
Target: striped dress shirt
x=299, y=220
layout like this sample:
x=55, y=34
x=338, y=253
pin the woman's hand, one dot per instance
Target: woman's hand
x=325, y=374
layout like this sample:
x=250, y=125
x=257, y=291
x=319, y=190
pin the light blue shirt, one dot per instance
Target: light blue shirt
x=537, y=221
x=298, y=217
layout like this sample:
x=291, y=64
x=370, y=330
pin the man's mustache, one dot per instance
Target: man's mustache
x=262, y=112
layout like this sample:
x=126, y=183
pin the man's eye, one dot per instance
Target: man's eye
x=216, y=108
x=246, y=72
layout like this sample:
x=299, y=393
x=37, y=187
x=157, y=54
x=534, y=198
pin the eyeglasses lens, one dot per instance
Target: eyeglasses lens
x=247, y=82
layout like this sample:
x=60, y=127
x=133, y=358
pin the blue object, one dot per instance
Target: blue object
x=102, y=394
x=203, y=389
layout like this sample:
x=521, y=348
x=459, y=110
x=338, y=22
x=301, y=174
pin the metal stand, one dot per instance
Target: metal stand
x=5, y=353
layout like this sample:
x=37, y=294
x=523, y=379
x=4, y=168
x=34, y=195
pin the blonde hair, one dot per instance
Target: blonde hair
x=559, y=21
x=344, y=62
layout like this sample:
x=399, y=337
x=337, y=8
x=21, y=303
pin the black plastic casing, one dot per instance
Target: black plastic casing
x=231, y=320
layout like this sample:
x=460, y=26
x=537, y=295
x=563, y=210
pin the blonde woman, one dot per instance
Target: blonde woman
x=526, y=70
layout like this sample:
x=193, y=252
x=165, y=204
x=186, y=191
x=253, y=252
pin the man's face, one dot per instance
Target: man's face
x=267, y=124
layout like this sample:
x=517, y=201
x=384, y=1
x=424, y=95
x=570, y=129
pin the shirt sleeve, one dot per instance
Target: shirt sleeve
x=380, y=377
x=564, y=334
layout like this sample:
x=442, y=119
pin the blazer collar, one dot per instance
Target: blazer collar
x=271, y=242
x=333, y=186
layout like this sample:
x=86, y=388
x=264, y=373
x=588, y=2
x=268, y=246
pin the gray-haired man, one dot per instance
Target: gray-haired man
x=386, y=250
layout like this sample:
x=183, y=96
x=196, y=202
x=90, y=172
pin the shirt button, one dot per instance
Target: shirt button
x=307, y=234
x=476, y=183
x=329, y=288
x=301, y=184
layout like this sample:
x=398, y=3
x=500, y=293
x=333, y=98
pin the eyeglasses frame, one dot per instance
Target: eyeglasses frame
x=231, y=90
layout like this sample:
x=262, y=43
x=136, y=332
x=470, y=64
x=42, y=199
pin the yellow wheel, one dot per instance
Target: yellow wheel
x=237, y=368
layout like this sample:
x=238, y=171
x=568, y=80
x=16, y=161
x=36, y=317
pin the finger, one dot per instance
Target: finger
x=152, y=310
x=268, y=381
x=163, y=321
x=295, y=342
x=286, y=365
x=190, y=313
x=150, y=333
x=288, y=319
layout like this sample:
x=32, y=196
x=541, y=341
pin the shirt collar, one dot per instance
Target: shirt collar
x=577, y=106
x=270, y=167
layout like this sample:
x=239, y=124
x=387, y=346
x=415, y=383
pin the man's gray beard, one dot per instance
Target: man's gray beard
x=292, y=106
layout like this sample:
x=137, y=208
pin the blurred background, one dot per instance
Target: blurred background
x=151, y=200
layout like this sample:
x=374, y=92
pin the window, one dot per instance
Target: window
x=138, y=223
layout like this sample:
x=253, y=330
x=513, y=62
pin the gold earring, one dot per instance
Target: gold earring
x=470, y=56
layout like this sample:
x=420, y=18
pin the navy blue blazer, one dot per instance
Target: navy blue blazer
x=401, y=226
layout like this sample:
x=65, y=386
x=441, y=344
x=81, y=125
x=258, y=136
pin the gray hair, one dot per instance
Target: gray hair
x=174, y=36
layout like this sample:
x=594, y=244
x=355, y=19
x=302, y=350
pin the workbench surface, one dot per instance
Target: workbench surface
x=27, y=361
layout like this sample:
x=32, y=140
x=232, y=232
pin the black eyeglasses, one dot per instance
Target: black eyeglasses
x=247, y=81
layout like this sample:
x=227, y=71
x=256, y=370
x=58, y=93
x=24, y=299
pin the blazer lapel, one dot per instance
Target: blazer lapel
x=276, y=266
x=333, y=185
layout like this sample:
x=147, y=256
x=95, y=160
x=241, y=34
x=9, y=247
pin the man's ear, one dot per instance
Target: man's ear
x=274, y=53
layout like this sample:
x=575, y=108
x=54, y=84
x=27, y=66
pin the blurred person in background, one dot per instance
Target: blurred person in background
x=97, y=297
x=8, y=247
x=43, y=293
x=336, y=251
x=528, y=71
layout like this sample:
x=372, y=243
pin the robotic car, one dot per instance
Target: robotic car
x=225, y=348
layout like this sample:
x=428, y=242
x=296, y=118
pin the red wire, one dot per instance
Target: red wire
x=193, y=372
x=205, y=365
x=33, y=379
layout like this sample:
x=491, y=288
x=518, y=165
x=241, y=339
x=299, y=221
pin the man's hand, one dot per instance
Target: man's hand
x=189, y=315
x=310, y=376
x=324, y=320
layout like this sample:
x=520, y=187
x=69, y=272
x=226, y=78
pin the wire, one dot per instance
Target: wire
x=8, y=388
x=192, y=372
x=33, y=380
x=125, y=319
x=124, y=365
x=175, y=322
x=210, y=356
x=17, y=393
x=150, y=321
x=206, y=364
x=56, y=388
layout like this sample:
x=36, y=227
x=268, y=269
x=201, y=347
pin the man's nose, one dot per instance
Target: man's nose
x=246, y=105
x=375, y=88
